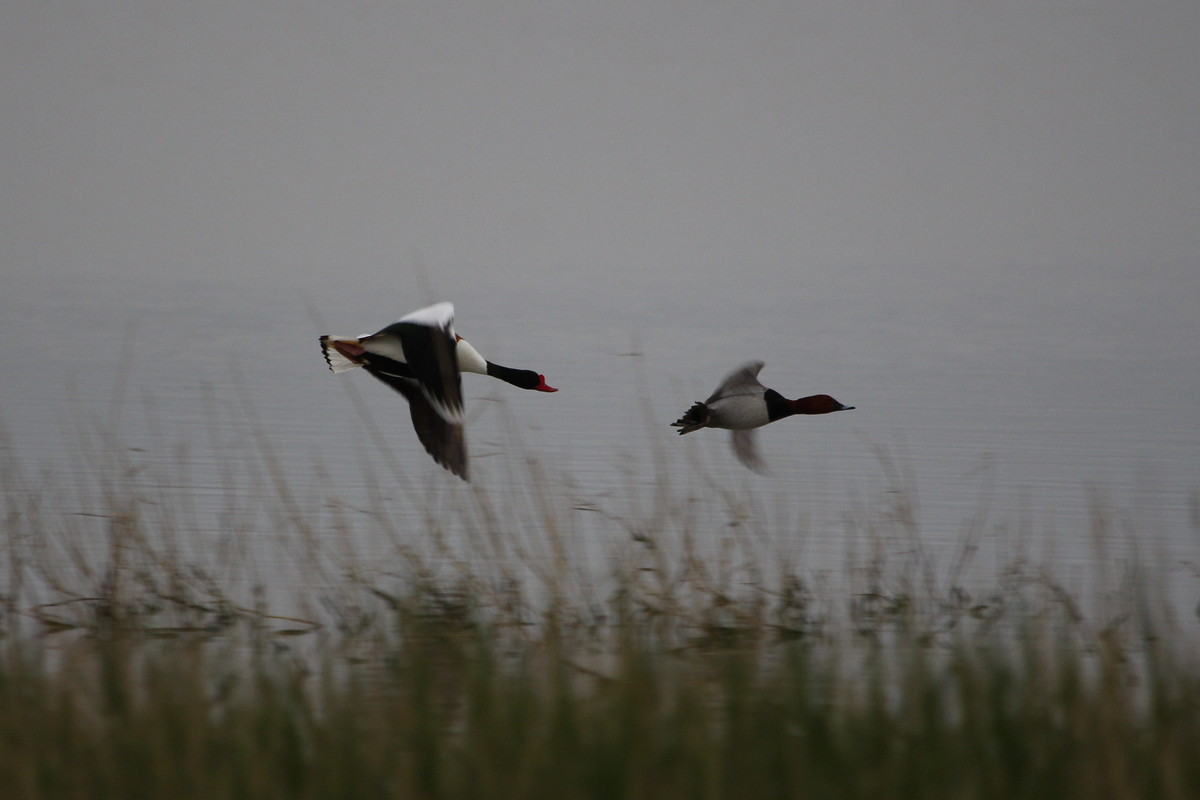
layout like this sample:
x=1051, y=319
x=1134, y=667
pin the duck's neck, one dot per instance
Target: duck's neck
x=816, y=404
x=805, y=405
x=521, y=378
x=778, y=406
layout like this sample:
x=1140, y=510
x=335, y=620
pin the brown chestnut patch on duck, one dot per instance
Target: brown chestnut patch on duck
x=818, y=404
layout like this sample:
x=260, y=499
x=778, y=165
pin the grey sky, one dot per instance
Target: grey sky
x=290, y=138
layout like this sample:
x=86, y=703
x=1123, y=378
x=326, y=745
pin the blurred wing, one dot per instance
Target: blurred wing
x=438, y=315
x=445, y=441
x=430, y=358
x=743, y=380
x=395, y=374
x=744, y=445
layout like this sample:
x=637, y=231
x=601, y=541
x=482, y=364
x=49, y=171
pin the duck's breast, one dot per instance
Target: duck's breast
x=738, y=412
x=469, y=359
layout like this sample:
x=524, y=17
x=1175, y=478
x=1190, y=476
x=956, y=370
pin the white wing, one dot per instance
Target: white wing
x=438, y=315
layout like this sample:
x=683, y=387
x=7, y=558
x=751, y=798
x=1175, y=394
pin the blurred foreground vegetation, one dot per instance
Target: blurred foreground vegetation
x=493, y=658
x=466, y=711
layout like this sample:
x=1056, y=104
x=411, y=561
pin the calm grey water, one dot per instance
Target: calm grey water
x=1005, y=394
x=974, y=223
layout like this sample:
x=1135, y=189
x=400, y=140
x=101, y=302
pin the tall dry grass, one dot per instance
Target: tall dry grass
x=482, y=645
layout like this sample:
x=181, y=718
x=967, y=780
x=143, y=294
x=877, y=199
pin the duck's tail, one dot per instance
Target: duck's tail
x=341, y=352
x=695, y=419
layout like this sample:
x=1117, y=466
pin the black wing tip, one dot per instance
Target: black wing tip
x=456, y=468
x=450, y=457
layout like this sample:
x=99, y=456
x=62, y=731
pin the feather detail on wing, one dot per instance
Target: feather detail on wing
x=743, y=380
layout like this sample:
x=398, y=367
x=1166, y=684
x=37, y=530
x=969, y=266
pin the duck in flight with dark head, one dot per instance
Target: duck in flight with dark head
x=741, y=404
x=422, y=358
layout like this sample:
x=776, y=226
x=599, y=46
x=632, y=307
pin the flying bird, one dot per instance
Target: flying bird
x=422, y=358
x=741, y=404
